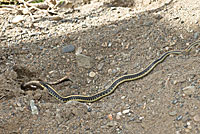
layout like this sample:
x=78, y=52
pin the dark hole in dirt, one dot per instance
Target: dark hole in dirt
x=23, y=72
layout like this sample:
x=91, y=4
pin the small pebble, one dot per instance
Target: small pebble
x=187, y=130
x=179, y=117
x=88, y=80
x=174, y=101
x=79, y=50
x=110, y=117
x=196, y=35
x=92, y=74
x=18, y=104
x=56, y=17
x=112, y=123
x=197, y=118
x=17, y=19
x=189, y=90
x=167, y=48
x=126, y=111
x=189, y=127
x=123, y=97
x=84, y=26
x=173, y=113
x=181, y=105
x=109, y=44
x=89, y=109
x=185, y=118
x=109, y=71
x=37, y=96
x=100, y=66
x=84, y=61
x=114, y=71
x=141, y=118
x=118, y=116
x=34, y=109
x=68, y=48
x=158, y=16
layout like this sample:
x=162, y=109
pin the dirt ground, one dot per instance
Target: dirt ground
x=114, y=38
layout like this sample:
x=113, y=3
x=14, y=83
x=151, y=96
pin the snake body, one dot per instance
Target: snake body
x=117, y=82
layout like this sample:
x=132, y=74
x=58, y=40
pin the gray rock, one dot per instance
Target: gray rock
x=174, y=101
x=100, y=66
x=196, y=35
x=178, y=118
x=34, y=109
x=68, y=48
x=84, y=61
x=189, y=90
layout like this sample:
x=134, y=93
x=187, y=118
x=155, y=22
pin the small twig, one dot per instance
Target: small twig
x=66, y=78
x=37, y=83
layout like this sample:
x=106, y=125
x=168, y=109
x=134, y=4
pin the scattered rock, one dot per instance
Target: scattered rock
x=197, y=118
x=179, y=117
x=189, y=127
x=100, y=66
x=84, y=61
x=196, y=35
x=126, y=111
x=109, y=71
x=174, y=101
x=114, y=71
x=68, y=48
x=148, y=23
x=118, y=116
x=37, y=96
x=18, y=104
x=17, y=19
x=109, y=44
x=123, y=97
x=112, y=123
x=185, y=119
x=189, y=90
x=79, y=50
x=92, y=74
x=88, y=80
x=141, y=118
x=34, y=109
x=56, y=17
x=173, y=113
x=187, y=130
x=89, y=109
x=110, y=117
x=84, y=26
x=158, y=16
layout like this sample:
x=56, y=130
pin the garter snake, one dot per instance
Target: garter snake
x=117, y=82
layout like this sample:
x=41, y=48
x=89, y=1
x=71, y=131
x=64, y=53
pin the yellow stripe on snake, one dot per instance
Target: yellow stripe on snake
x=115, y=83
